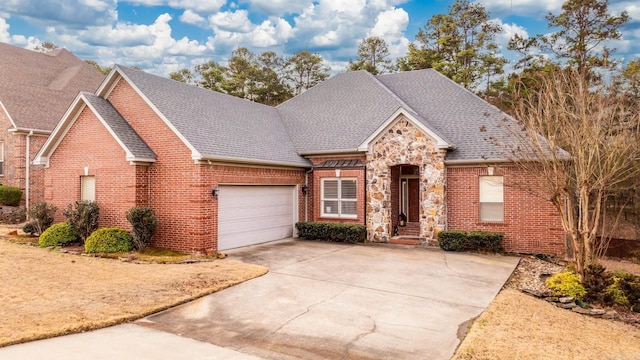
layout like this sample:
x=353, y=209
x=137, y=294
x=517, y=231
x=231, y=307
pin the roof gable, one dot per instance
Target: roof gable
x=469, y=122
x=412, y=118
x=135, y=148
x=37, y=88
x=213, y=125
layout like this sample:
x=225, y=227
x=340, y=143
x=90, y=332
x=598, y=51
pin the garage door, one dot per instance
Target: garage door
x=250, y=215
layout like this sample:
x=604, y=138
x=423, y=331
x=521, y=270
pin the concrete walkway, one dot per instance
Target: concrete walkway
x=318, y=301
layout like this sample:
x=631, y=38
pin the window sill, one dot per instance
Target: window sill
x=338, y=217
x=492, y=223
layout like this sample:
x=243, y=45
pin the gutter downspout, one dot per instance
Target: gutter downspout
x=27, y=169
x=306, y=196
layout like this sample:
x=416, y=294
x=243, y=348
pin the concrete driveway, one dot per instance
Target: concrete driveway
x=332, y=301
x=318, y=301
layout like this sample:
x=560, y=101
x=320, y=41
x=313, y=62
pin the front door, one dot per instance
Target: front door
x=410, y=199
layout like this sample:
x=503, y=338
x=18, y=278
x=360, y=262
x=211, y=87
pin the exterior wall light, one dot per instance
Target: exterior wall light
x=305, y=189
x=215, y=192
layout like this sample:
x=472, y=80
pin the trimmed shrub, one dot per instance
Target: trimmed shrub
x=83, y=218
x=452, y=240
x=566, y=283
x=109, y=240
x=10, y=195
x=143, y=225
x=41, y=216
x=58, y=235
x=348, y=233
x=485, y=240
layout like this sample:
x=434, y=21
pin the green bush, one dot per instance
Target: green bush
x=109, y=240
x=30, y=228
x=623, y=290
x=485, y=240
x=452, y=240
x=596, y=281
x=566, y=283
x=10, y=195
x=143, y=224
x=58, y=235
x=348, y=233
x=83, y=218
x=41, y=216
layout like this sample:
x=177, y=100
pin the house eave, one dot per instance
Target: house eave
x=467, y=162
x=332, y=152
x=216, y=159
x=30, y=131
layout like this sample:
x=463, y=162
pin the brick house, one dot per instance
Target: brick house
x=222, y=172
x=35, y=91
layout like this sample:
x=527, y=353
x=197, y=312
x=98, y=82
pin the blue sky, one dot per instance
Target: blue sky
x=161, y=36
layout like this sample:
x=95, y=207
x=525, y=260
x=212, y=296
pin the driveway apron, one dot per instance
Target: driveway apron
x=337, y=301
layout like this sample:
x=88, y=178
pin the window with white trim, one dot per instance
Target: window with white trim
x=88, y=188
x=338, y=197
x=492, y=198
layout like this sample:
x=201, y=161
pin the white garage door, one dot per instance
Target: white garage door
x=250, y=215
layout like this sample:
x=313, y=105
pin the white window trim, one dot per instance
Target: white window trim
x=2, y=157
x=490, y=202
x=339, y=199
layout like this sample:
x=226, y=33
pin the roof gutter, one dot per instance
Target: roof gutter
x=476, y=162
x=233, y=160
x=30, y=131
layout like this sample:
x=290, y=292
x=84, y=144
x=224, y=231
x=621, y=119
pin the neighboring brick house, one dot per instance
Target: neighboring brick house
x=35, y=91
x=222, y=172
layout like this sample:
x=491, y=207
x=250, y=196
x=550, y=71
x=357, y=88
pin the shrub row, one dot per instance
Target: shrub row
x=458, y=240
x=348, y=233
x=81, y=225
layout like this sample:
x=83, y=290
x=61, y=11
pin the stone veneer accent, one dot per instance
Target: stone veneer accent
x=404, y=144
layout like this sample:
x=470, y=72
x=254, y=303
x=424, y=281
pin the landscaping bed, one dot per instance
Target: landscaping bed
x=519, y=325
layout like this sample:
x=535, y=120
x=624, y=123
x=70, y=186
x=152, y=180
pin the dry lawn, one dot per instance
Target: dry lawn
x=518, y=326
x=45, y=293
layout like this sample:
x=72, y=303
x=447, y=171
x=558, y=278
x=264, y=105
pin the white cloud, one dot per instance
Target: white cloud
x=4, y=31
x=508, y=32
x=529, y=8
x=190, y=17
x=267, y=34
x=278, y=7
x=68, y=12
x=197, y=6
x=232, y=21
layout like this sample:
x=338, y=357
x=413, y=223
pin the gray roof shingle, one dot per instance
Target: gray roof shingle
x=342, y=112
x=37, y=88
x=467, y=120
x=133, y=143
x=219, y=125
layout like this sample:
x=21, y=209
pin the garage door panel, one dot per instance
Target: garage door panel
x=250, y=215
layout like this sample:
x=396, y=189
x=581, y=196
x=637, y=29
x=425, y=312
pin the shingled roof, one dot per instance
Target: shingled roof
x=342, y=112
x=127, y=137
x=218, y=126
x=37, y=88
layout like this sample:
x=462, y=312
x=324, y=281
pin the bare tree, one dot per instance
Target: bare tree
x=580, y=143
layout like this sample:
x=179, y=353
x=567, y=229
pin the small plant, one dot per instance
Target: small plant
x=109, y=240
x=10, y=195
x=41, y=215
x=30, y=228
x=83, y=218
x=486, y=240
x=143, y=225
x=624, y=289
x=566, y=283
x=452, y=240
x=58, y=235
x=348, y=233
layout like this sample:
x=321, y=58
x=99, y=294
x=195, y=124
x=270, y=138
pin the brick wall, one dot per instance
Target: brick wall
x=531, y=224
x=14, y=165
x=114, y=177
